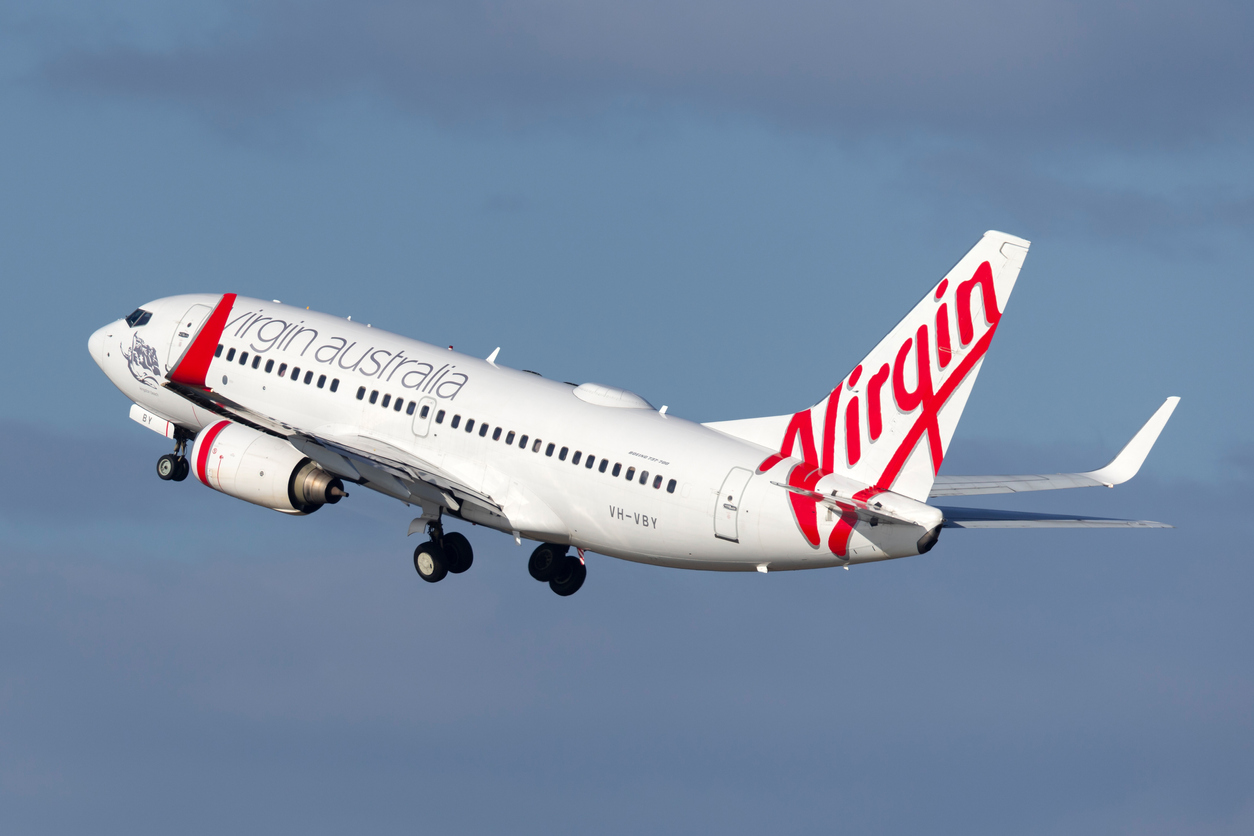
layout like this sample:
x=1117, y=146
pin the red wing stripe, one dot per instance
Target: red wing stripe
x=206, y=444
x=194, y=365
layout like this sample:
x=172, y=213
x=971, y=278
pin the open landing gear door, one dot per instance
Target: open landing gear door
x=727, y=510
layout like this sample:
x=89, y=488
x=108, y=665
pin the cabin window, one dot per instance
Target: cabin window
x=230, y=355
x=496, y=434
x=439, y=416
x=618, y=468
x=535, y=448
x=409, y=410
x=335, y=384
x=657, y=481
x=308, y=378
x=296, y=373
x=283, y=371
x=322, y=380
x=269, y=366
x=218, y=351
x=575, y=458
x=257, y=361
x=644, y=477
x=604, y=464
x=243, y=358
x=396, y=407
x=549, y=451
x=562, y=455
x=483, y=430
x=631, y=472
x=591, y=461
x=509, y=437
x=426, y=410
x=522, y=442
x=374, y=396
x=670, y=486
x=457, y=419
x=470, y=425
x=387, y=399
x=361, y=392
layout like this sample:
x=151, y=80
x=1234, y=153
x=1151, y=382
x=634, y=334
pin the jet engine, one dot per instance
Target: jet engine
x=262, y=469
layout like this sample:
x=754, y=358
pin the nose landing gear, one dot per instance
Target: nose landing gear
x=563, y=572
x=442, y=554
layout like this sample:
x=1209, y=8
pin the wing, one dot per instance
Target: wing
x=1123, y=468
x=985, y=518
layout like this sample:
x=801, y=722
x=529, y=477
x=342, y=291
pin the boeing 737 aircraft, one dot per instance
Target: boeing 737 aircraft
x=284, y=408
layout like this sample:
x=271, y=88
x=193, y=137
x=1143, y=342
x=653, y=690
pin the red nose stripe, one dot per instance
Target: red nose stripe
x=206, y=444
x=194, y=365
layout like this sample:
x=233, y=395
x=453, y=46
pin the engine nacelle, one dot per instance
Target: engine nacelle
x=262, y=469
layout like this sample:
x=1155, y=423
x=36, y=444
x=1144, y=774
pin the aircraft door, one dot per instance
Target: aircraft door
x=727, y=509
x=184, y=331
x=422, y=417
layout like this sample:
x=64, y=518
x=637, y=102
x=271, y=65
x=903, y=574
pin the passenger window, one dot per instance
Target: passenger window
x=374, y=396
x=283, y=371
x=439, y=416
x=409, y=410
x=496, y=434
x=483, y=430
x=535, y=448
x=322, y=380
x=257, y=361
x=457, y=419
x=591, y=461
x=670, y=486
x=631, y=472
x=575, y=458
x=549, y=451
x=562, y=455
x=522, y=443
x=657, y=481
x=470, y=425
x=387, y=399
x=644, y=477
x=269, y=366
x=308, y=378
x=230, y=355
x=509, y=438
x=361, y=392
x=618, y=468
x=243, y=359
x=604, y=463
x=396, y=407
x=335, y=384
x=218, y=352
x=425, y=411
x=296, y=373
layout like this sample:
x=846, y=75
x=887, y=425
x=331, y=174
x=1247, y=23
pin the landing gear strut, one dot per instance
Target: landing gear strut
x=563, y=572
x=442, y=554
x=173, y=467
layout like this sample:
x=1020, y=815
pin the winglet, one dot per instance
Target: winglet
x=492, y=356
x=193, y=366
x=1130, y=458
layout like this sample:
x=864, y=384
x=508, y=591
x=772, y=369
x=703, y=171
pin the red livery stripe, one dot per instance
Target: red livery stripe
x=206, y=444
x=194, y=364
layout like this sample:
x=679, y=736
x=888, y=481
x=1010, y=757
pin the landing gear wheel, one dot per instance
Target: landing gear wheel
x=568, y=576
x=429, y=561
x=544, y=560
x=182, y=470
x=458, y=552
x=168, y=466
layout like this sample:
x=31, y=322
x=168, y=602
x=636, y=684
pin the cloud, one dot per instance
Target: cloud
x=1150, y=73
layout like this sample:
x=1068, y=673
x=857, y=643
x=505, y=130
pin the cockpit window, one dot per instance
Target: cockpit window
x=138, y=318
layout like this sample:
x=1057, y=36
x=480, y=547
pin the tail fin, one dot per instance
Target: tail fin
x=889, y=422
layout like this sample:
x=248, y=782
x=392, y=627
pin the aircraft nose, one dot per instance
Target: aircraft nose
x=95, y=345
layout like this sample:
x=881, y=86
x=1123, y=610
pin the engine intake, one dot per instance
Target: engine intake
x=262, y=469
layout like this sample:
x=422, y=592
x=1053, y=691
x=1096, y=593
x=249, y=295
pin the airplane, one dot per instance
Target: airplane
x=285, y=408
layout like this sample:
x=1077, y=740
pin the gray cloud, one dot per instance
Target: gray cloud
x=1155, y=72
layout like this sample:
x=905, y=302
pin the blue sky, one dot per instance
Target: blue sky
x=722, y=207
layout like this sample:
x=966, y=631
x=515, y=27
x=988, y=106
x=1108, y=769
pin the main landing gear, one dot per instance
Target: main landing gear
x=173, y=467
x=565, y=573
x=442, y=554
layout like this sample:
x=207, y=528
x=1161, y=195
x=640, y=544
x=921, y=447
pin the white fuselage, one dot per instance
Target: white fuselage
x=543, y=496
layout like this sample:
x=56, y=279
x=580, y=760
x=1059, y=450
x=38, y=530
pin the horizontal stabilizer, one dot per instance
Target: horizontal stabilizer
x=1121, y=469
x=986, y=518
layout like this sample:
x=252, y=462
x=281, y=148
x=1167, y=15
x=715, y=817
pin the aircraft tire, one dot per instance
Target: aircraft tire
x=429, y=562
x=458, y=552
x=182, y=470
x=544, y=560
x=167, y=467
x=568, y=576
